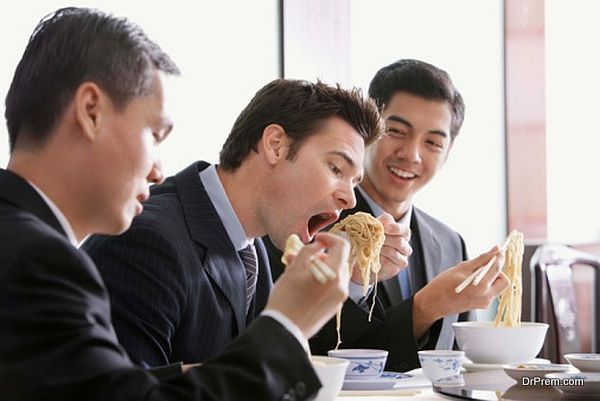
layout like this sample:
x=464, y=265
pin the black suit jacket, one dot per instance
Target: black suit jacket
x=57, y=341
x=176, y=282
x=391, y=327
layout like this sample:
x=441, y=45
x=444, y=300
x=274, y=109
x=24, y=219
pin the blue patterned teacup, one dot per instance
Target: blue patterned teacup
x=439, y=364
x=364, y=363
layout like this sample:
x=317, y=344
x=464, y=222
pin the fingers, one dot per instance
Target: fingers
x=303, y=257
x=390, y=227
x=500, y=284
x=339, y=248
x=481, y=260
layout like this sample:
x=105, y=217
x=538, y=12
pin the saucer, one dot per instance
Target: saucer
x=585, y=362
x=520, y=370
x=450, y=381
x=386, y=381
x=483, y=367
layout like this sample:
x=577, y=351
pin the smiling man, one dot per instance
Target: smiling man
x=423, y=113
x=192, y=271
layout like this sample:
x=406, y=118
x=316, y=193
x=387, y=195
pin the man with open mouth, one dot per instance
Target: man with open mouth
x=192, y=272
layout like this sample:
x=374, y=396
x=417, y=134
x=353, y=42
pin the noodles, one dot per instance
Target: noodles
x=509, y=302
x=366, y=237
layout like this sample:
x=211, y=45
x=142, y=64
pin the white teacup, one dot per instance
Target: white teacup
x=364, y=363
x=331, y=373
x=440, y=364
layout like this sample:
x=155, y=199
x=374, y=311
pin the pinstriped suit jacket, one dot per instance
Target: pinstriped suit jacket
x=176, y=282
x=57, y=341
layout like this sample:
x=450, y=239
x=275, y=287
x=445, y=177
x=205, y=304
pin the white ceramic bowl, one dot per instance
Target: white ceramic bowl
x=590, y=387
x=441, y=364
x=485, y=343
x=584, y=362
x=363, y=363
x=331, y=373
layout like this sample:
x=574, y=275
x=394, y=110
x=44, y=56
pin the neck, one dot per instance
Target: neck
x=243, y=188
x=56, y=182
x=396, y=208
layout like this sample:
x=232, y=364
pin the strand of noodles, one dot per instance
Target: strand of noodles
x=509, y=302
x=366, y=237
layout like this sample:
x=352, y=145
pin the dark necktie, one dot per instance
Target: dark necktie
x=248, y=255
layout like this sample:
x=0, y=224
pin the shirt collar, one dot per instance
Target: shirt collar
x=378, y=210
x=59, y=215
x=218, y=197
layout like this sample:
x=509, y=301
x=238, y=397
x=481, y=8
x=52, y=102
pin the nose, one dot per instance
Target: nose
x=156, y=175
x=344, y=196
x=410, y=150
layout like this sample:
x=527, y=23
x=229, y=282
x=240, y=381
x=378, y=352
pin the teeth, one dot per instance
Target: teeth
x=401, y=173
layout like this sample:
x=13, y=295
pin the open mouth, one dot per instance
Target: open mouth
x=320, y=221
x=406, y=175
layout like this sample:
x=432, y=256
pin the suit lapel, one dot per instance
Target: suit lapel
x=222, y=264
x=433, y=267
x=430, y=246
x=17, y=191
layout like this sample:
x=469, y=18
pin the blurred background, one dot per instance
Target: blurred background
x=527, y=69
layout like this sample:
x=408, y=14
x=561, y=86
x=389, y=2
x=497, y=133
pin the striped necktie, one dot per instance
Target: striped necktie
x=248, y=255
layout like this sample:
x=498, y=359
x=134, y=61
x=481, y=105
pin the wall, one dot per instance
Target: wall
x=464, y=37
x=226, y=50
x=573, y=133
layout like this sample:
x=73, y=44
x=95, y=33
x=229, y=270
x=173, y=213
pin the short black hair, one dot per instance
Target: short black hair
x=420, y=79
x=71, y=46
x=300, y=107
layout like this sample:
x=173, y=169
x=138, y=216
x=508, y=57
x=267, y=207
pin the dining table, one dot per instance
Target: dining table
x=491, y=385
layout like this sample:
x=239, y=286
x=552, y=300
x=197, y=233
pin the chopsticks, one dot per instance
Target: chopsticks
x=478, y=274
x=319, y=269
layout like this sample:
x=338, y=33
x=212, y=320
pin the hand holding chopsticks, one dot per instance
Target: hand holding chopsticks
x=476, y=277
x=319, y=269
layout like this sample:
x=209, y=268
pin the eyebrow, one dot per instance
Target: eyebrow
x=398, y=119
x=348, y=159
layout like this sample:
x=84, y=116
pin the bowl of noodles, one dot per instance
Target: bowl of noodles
x=506, y=339
x=483, y=342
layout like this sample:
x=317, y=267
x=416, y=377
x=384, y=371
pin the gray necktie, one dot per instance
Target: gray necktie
x=248, y=255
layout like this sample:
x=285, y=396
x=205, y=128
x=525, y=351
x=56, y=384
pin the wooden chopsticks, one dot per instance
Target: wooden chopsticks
x=319, y=269
x=478, y=274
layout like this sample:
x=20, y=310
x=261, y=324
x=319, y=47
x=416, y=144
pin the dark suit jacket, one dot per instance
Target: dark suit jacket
x=391, y=327
x=177, y=285
x=57, y=341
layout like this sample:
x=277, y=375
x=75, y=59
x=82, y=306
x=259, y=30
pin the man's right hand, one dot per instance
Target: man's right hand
x=304, y=300
x=438, y=298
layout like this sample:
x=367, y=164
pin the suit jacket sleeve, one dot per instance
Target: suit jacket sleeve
x=57, y=342
x=148, y=290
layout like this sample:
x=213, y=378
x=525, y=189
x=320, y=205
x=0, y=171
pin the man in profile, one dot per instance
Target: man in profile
x=85, y=114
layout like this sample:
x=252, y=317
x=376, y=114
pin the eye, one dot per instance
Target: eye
x=435, y=144
x=394, y=132
x=335, y=169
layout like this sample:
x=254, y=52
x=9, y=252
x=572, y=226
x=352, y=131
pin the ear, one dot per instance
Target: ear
x=273, y=144
x=90, y=102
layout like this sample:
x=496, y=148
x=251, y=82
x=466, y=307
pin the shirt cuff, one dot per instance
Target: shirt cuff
x=289, y=325
x=355, y=293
